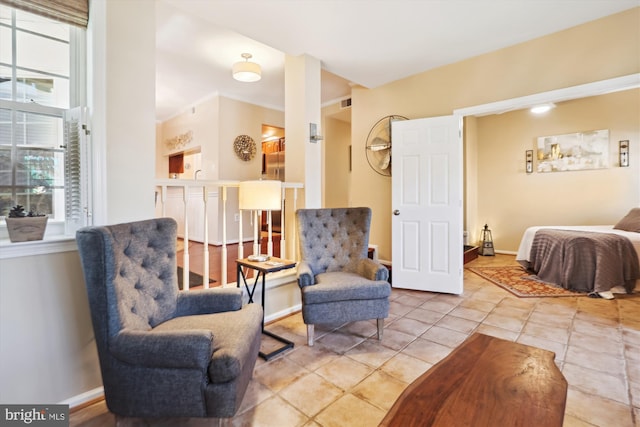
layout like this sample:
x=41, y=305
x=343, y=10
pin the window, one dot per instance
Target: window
x=42, y=146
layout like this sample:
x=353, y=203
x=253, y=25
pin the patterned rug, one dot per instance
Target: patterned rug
x=519, y=282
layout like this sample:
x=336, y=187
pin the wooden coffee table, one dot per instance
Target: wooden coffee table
x=486, y=381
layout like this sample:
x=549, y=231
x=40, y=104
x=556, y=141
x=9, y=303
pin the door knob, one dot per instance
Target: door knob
x=396, y=212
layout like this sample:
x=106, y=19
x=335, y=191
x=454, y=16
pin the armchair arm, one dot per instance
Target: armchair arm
x=205, y=301
x=305, y=274
x=165, y=349
x=372, y=270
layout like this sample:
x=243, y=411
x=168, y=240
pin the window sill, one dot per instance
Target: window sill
x=49, y=245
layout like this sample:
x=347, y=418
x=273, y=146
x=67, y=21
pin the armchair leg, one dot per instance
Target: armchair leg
x=310, y=335
x=380, y=328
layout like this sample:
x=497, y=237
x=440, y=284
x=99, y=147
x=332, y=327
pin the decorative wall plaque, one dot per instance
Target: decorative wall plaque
x=244, y=147
x=179, y=141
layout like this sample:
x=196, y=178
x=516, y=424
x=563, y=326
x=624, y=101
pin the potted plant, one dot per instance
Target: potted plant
x=25, y=226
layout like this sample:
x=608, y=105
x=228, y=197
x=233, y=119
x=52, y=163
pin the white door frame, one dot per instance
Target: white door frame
x=602, y=87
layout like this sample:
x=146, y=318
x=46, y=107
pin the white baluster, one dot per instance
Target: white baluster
x=223, y=253
x=295, y=203
x=185, y=271
x=269, y=234
x=283, y=246
x=256, y=243
x=205, y=252
x=163, y=198
x=240, y=238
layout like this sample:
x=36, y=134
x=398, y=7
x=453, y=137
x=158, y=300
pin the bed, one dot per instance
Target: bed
x=600, y=260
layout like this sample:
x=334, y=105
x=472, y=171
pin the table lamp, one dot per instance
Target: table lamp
x=257, y=196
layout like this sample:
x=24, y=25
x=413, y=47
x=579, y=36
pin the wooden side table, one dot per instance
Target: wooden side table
x=262, y=268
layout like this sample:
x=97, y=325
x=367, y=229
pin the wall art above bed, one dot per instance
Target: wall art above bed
x=573, y=151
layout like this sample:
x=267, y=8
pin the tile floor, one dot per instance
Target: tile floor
x=349, y=378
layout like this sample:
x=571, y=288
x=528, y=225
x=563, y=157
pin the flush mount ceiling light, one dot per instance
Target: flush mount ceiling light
x=246, y=71
x=542, y=108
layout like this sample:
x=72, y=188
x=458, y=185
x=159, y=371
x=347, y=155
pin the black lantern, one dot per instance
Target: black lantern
x=487, y=242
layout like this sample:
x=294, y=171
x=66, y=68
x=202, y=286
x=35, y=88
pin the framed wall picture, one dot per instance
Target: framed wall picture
x=573, y=151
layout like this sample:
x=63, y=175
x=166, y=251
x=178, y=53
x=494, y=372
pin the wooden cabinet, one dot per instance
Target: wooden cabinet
x=274, y=146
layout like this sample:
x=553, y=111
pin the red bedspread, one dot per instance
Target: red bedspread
x=584, y=261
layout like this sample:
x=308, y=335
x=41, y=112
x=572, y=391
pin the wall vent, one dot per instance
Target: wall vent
x=345, y=103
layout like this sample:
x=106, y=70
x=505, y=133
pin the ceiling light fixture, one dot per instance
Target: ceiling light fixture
x=246, y=71
x=543, y=108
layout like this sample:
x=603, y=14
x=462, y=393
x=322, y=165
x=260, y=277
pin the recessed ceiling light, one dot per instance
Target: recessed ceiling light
x=541, y=109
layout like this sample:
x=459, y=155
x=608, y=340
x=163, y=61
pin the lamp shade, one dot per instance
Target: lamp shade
x=246, y=71
x=260, y=195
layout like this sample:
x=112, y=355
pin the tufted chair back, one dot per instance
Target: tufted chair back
x=333, y=239
x=136, y=277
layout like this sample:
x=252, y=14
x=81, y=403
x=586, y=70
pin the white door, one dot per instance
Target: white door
x=427, y=242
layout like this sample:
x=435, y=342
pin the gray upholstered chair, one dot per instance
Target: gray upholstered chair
x=163, y=352
x=339, y=283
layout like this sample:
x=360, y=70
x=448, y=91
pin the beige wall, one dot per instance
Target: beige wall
x=591, y=52
x=124, y=141
x=510, y=200
x=337, y=142
x=215, y=123
x=202, y=121
x=240, y=118
x=162, y=163
x=47, y=348
x=470, y=196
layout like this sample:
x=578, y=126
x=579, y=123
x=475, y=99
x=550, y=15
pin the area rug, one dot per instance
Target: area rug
x=519, y=282
x=194, y=279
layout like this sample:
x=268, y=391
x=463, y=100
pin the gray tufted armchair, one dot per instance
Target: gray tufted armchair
x=338, y=282
x=163, y=352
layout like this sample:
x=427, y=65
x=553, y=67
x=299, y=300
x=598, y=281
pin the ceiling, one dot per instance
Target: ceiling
x=367, y=43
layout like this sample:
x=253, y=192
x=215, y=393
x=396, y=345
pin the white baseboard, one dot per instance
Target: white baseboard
x=283, y=313
x=83, y=398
